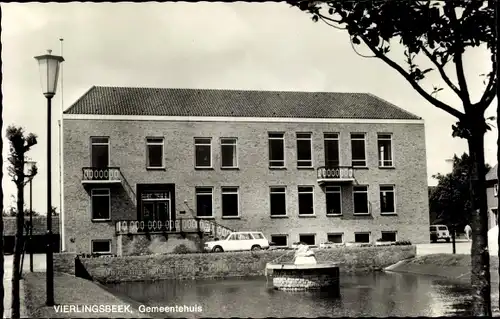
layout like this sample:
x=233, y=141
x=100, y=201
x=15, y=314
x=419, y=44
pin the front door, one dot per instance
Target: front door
x=156, y=210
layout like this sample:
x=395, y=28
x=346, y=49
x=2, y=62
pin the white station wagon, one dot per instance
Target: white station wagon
x=238, y=241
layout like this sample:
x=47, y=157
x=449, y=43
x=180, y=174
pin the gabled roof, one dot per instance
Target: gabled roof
x=492, y=174
x=234, y=103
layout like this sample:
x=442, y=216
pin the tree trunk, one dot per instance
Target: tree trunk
x=480, y=258
x=18, y=249
x=1, y=265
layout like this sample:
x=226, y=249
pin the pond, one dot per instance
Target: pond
x=370, y=294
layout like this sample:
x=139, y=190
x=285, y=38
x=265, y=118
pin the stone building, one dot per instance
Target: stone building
x=298, y=166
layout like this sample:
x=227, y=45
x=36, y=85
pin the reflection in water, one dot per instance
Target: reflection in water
x=372, y=294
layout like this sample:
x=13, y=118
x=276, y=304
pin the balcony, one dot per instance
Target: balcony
x=337, y=174
x=101, y=176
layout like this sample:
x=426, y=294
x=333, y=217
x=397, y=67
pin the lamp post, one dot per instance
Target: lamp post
x=49, y=71
x=29, y=165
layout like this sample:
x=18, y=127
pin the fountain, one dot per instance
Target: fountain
x=305, y=273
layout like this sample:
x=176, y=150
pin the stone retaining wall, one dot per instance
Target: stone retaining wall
x=221, y=265
x=313, y=279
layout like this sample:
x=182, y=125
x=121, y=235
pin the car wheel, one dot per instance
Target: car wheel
x=256, y=248
x=217, y=249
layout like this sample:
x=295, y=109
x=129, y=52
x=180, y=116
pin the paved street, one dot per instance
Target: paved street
x=38, y=265
x=462, y=247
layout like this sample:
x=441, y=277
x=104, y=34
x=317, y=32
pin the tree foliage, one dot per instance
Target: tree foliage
x=436, y=31
x=451, y=199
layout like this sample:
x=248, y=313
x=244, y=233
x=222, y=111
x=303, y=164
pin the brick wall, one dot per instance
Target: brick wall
x=127, y=149
x=222, y=265
x=39, y=225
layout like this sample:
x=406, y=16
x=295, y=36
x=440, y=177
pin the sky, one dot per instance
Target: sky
x=254, y=46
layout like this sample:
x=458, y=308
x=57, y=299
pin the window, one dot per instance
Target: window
x=360, y=194
x=154, y=152
x=495, y=190
x=332, y=158
x=358, y=149
x=100, y=204
x=308, y=239
x=389, y=236
x=361, y=237
x=387, y=199
x=306, y=200
x=333, y=200
x=204, y=202
x=99, y=152
x=304, y=150
x=278, y=201
x=276, y=150
x=279, y=240
x=229, y=157
x=101, y=246
x=203, y=152
x=258, y=236
x=336, y=238
x=230, y=205
x=385, y=150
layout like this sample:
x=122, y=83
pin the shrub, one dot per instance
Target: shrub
x=181, y=249
x=402, y=243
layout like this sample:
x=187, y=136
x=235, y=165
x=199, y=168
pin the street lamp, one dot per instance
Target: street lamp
x=29, y=166
x=49, y=71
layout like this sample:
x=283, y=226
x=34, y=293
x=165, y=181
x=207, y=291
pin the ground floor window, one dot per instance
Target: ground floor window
x=230, y=206
x=333, y=200
x=360, y=195
x=306, y=200
x=278, y=201
x=362, y=237
x=389, y=236
x=336, y=238
x=204, y=201
x=308, y=239
x=279, y=240
x=100, y=204
x=101, y=246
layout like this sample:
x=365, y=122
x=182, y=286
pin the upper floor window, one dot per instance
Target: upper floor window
x=99, y=152
x=360, y=194
x=276, y=149
x=100, y=204
x=385, y=150
x=154, y=152
x=332, y=158
x=304, y=150
x=203, y=152
x=204, y=202
x=278, y=201
x=230, y=205
x=387, y=199
x=358, y=149
x=229, y=158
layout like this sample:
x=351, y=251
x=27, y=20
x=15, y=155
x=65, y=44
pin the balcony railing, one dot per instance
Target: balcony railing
x=188, y=225
x=335, y=174
x=101, y=175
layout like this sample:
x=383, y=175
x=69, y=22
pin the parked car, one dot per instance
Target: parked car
x=238, y=241
x=438, y=232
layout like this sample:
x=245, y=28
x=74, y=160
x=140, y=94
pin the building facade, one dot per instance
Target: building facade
x=492, y=196
x=298, y=166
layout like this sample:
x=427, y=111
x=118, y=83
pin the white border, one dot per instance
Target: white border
x=234, y=119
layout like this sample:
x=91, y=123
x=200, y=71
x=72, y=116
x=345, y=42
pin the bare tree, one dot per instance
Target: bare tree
x=19, y=146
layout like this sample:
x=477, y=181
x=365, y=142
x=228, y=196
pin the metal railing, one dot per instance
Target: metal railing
x=335, y=172
x=101, y=174
x=190, y=225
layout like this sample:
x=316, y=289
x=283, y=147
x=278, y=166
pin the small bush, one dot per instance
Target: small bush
x=181, y=249
x=402, y=243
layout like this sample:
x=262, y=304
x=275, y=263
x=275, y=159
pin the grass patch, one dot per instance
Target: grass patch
x=69, y=290
x=456, y=260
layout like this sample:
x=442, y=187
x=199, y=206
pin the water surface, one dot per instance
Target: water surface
x=374, y=294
